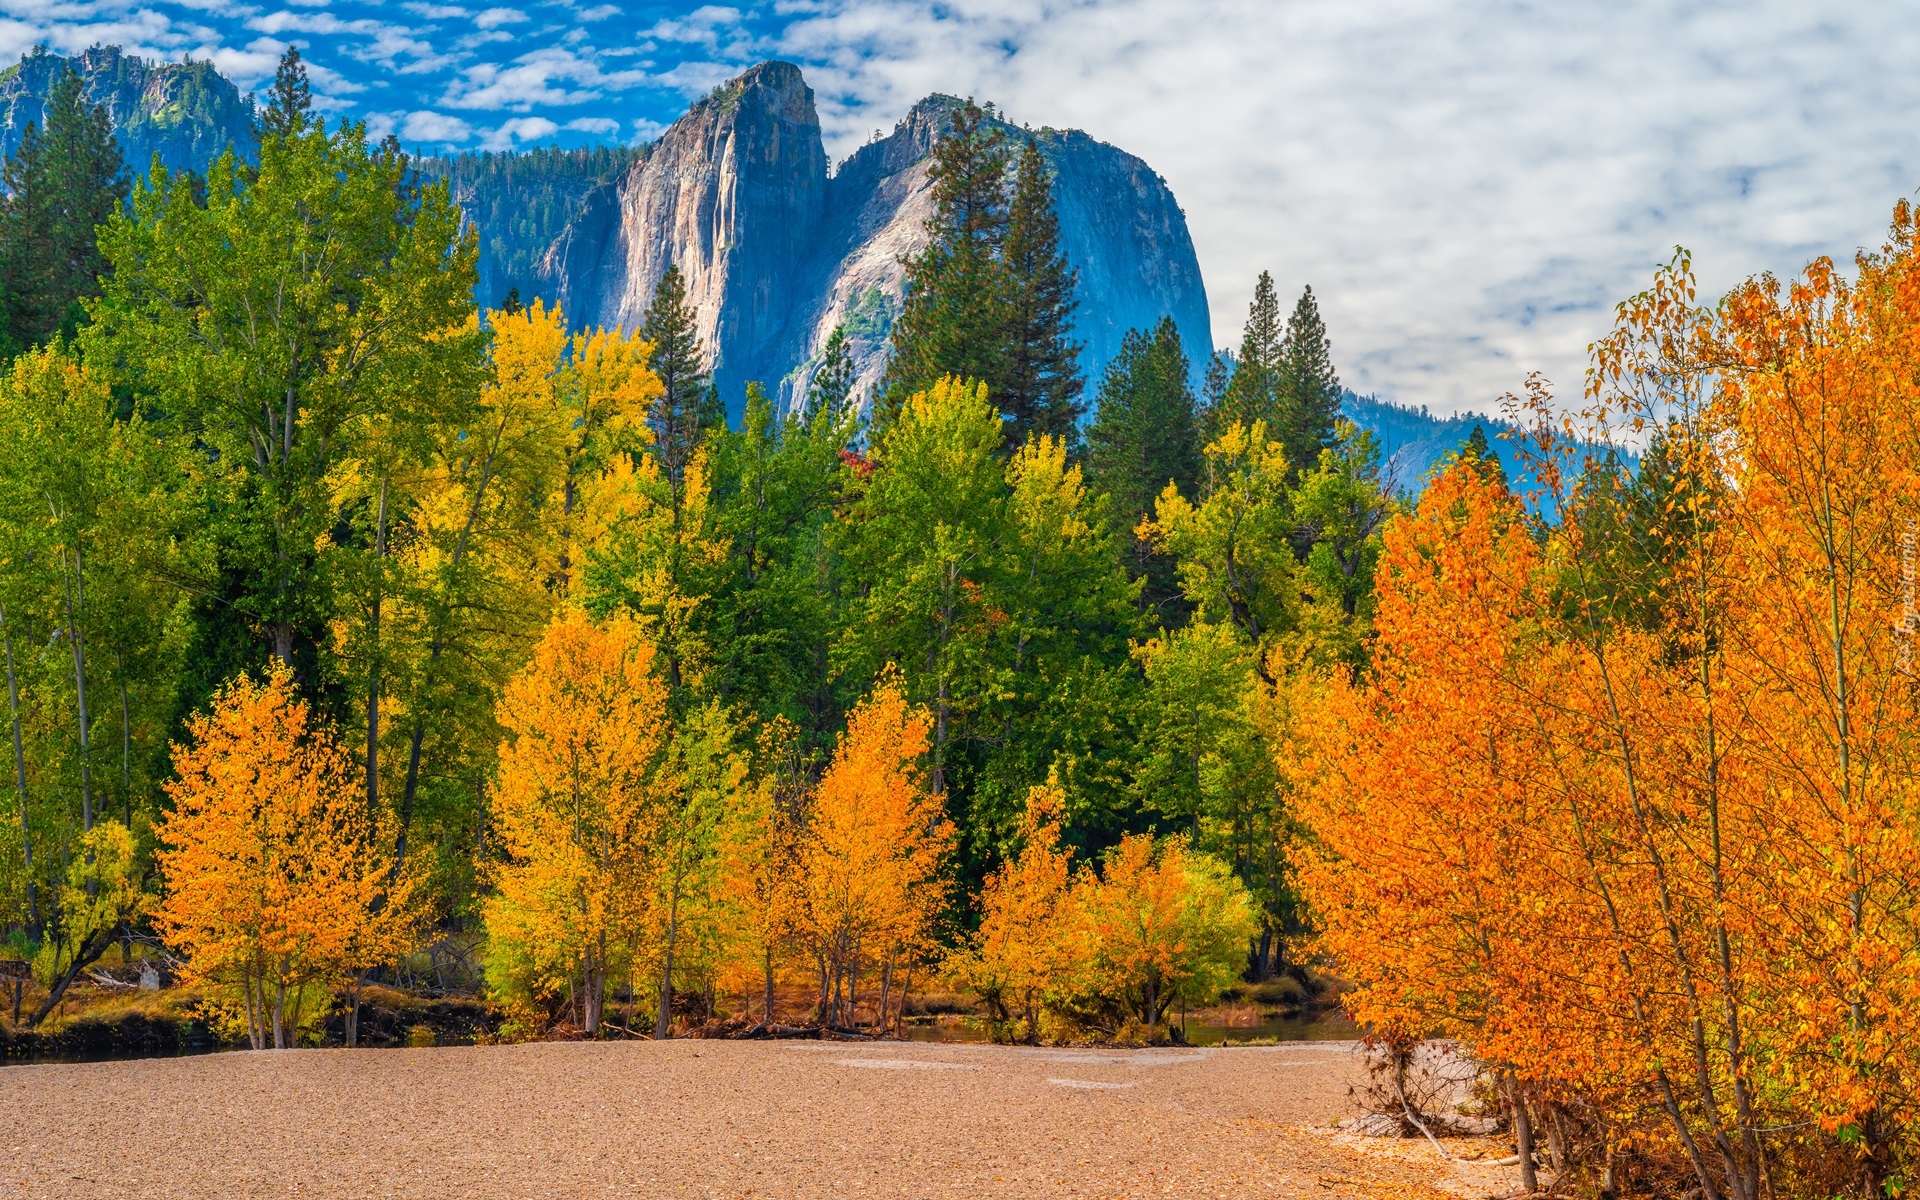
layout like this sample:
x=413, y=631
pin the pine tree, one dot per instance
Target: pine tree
x=1041, y=391
x=62, y=184
x=290, y=102
x=684, y=410
x=1477, y=451
x=1146, y=435
x=1213, y=393
x=1253, y=391
x=833, y=381
x=1309, y=390
x=955, y=315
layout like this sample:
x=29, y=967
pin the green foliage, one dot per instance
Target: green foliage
x=1040, y=393
x=276, y=315
x=1145, y=438
x=687, y=407
x=955, y=312
x=62, y=182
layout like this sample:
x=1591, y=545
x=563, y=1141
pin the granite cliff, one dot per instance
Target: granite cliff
x=187, y=113
x=777, y=250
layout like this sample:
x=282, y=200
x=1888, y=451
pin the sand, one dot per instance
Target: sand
x=706, y=1118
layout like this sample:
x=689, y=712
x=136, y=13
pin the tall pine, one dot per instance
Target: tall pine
x=954, y=316
x=685, y=408
x=1309, y=390
x=1253, y=392
x=1040, y=393
x=62, y=184
x=833, y=381
x=1146, y=435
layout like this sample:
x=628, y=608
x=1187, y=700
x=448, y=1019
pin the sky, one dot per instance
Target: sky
x=1469, y=186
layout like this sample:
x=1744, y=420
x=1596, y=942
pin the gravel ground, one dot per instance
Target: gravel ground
x=704, y=1118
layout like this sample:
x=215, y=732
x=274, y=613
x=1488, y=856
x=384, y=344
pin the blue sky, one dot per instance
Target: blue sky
x=1469, y=185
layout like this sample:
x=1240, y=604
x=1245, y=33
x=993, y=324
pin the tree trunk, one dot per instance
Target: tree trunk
x=663, y=1020
x=88, y=954
x=280, y=1012
x=768, y=1014
x=76, y=609
x=1522, y=1135
x=594, y=989
x=353, y=1008
x=1153, y=1005
x=373, y=661
x=20, y=778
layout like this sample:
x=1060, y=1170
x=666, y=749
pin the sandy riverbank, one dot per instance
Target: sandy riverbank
x=703, y=1118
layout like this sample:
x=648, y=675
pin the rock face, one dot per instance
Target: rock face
x=187, y=113
x=777, y=252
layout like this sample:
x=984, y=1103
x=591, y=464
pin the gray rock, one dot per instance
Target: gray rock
x=777, y=252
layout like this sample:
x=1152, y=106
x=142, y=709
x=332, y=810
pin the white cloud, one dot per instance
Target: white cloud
x=647, y=131
x=437, y=12
x=519, y=129
x=536, y=78
x=1467, y=184
x=429, y=126
x=494, y=18
x=703, y=25
x=598, y=13
x=603, y=125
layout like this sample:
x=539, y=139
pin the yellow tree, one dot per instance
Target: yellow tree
x=1164, y=924
x=579, y=808
x=275, y=881
x=872, y=856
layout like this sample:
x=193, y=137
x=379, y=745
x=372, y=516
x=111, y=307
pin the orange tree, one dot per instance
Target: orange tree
x=1625, y=803
x=872, y=853
x=275, y=879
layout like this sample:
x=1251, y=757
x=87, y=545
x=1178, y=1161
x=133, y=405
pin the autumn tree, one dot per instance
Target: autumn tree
x=580, y=804
x=277, y=879
x=873, y=855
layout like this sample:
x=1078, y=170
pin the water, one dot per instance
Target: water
x=1326, y=1027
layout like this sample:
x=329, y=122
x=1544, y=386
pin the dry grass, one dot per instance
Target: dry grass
x=730, y=1119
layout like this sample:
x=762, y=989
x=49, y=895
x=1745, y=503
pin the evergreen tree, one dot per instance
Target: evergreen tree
x=1479, y=452
x=684, y=410
x=954, y=318
x=1042, y=386
x=62, y=184
x=1146, y=435
x=290, y=101
x=833, y=382
x=1308, y=388
x=1213, y=392
x=1253, y=391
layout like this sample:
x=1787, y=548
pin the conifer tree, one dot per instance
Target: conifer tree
x=290, y=102
x=1478, y=451
x=1309, y=390
x=1253, y=391
x=684, y=409
x=1042, y=386
x=955, y=313
x=833, y=382
x=1145, y=436
x=62, y=183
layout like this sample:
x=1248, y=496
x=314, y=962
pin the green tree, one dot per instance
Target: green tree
x=1478, y=451
x=62, y=184
x=271, y=314
x=1253, y=392
x=682, y=414
x=1309, y=390
x=954, y=320
x=1040, y=392
x=832, y=384
x=1145, y=437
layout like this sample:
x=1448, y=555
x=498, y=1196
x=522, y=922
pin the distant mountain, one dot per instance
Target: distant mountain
x=777, y=250
x=1413, y=442
x=522, y=201
x=186, y=113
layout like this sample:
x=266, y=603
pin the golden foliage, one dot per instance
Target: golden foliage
x=274, y=877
